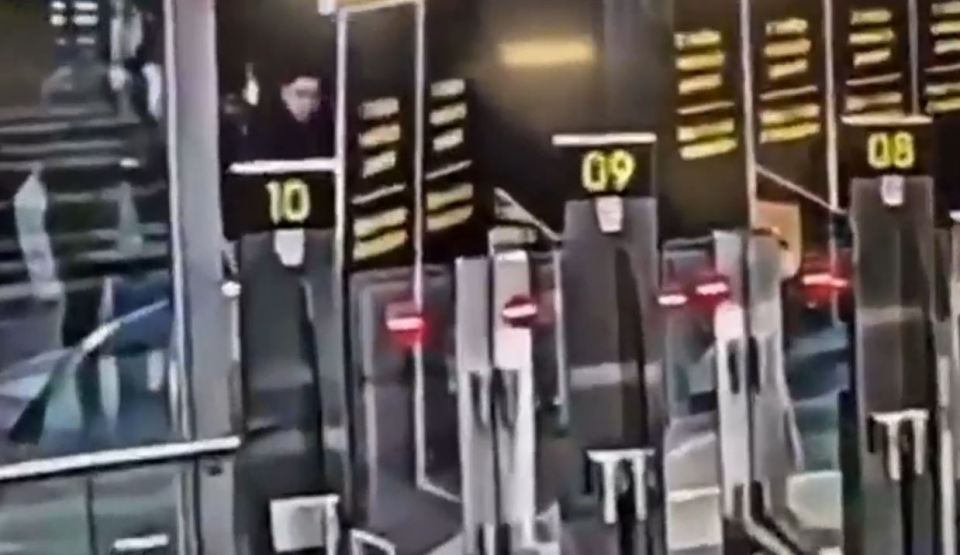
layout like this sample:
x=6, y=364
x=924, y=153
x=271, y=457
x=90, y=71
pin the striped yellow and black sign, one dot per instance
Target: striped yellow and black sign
x=875, y=72
x=381, y=152
x=453, y=201
x=706, y=172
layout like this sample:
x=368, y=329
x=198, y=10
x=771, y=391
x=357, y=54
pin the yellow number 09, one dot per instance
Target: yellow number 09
x=886, y=150
x=289, y=201
x=599, y=170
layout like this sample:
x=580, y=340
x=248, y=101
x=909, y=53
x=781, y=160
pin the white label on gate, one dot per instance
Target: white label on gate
x=892, y=190
x=289, y=244
x=609, y=211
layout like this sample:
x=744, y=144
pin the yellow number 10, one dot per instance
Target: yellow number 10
x=289, y=201
x=886, y=150
x=599, y=170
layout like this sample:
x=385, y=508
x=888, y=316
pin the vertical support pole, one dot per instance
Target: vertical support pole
x=945, y=454
x=515, y=434
x=749, y=139
x=202, y=338
x=478, y=485
x=340, y=154
x=831, y=117
x=913, y=17
x=420, y=78
x=563, y=370
x=201, y=334
x=337, y=432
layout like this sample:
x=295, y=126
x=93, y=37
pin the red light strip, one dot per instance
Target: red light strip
x=520, y=311
x=712, y=289
x=824, y=279
x=672, y=299
x=405, y=323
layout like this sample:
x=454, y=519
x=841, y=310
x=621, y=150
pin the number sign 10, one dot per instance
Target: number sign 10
x=289, y=201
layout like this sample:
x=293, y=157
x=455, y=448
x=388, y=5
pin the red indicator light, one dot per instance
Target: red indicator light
x=406, y=324
x=709, y=291
x=520, y=311
x=672, y=296
x=716, y=288
x=824, y=279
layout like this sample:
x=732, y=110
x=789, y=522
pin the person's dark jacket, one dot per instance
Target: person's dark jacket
x=275, y=135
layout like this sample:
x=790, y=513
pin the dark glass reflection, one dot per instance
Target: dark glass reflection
x=124, y=511
x=85, y=286
x=805, y=500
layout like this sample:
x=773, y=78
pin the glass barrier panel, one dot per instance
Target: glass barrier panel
x=85, y=280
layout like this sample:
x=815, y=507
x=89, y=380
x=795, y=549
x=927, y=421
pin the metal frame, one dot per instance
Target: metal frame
x=337, y=165
x=830, y=99
x=271, y=167
x=913, y=17
x=343, y=15
x=749, y=140
x=101, y=460
x=949, y=382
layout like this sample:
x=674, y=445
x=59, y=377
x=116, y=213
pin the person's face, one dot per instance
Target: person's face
x=302, y=97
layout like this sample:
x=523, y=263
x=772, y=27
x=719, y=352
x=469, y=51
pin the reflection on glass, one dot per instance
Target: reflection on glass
x=85, y=310
x=407, y=449
x=692, y=291
x=817, y=355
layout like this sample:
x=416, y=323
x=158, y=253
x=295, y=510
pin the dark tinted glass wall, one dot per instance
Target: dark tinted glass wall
x=85, y=258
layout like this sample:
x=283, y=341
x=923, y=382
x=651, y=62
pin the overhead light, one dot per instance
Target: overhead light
x=547, y=52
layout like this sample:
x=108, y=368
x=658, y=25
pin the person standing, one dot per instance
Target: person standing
x=293, y=124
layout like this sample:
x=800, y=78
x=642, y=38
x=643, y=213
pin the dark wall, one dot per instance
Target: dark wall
x=620, y=88
x=270, y=34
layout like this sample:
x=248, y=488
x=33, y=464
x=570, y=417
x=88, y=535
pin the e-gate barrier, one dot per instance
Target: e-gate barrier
x=889, y=463
x=611, y=342
x=502, y=406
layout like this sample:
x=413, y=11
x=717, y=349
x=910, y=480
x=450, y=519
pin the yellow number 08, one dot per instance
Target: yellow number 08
x=289, y=201
x=599, y=170
x=886, y=150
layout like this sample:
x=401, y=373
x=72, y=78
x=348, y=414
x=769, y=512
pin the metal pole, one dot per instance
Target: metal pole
x=914, y=29
x=340, y=265
x=830, y=99
x=746, y=65
x=420, y=78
